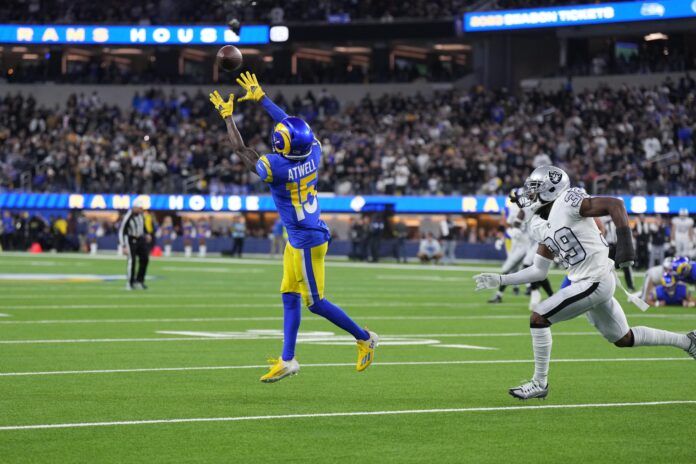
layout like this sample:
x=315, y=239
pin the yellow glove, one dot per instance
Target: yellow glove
x=248, y=82
x=223, y=107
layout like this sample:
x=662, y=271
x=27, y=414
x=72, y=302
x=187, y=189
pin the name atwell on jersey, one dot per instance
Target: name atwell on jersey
x=302, y=170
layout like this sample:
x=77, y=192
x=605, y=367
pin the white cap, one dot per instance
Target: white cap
x=138, y=203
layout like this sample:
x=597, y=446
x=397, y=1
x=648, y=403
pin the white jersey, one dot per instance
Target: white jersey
x=573, y=238
x=682, y=227
x=654, y=274
x=522, y=240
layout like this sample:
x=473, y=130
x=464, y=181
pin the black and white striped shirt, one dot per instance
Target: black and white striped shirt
x=132, y=226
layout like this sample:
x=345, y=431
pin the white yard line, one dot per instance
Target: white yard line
x=346, y=414
x=269, y=262
x=181, y=339
x=260, y=318
x=274, y=304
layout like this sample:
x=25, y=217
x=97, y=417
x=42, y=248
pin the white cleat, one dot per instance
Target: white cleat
x=692, y=348
x=529, y=390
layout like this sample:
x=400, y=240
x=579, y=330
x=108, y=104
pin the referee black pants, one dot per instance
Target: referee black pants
x=138, y=257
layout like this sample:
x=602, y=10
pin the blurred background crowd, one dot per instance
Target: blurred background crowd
x=453, y=142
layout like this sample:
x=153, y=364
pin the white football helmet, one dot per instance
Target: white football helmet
x=544, y=185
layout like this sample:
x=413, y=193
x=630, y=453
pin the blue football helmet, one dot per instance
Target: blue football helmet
x=681, y=265
x=668, y=280
x=292, y=138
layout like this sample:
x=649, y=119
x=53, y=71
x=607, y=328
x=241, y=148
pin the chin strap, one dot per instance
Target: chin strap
x=642, y=305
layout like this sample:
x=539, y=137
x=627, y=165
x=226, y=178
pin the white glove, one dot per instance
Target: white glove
x=499, y=244
x=487, y=281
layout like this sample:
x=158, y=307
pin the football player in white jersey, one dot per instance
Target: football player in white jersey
x=653, y=277
x=682, y=233
x=520, y=241
x=571, y=234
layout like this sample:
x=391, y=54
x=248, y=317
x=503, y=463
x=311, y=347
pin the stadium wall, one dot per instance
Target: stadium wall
x=464, y=250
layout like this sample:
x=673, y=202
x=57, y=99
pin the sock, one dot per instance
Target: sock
x=292, y=314
x=202, y=249
x=333, y=313
x=647, y=336
x=167, y=250
x=534, y=299
x=546, y=285
x=93, y=248
x=187, y=251
x=628, y=275
x=501, y=289
x=541, y=343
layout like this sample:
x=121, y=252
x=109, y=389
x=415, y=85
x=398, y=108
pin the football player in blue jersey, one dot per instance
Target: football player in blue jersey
x=291, y=172
x=684, y=269
x=671, y=292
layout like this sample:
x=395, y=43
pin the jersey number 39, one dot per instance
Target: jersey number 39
x=300, y=195
x=566, y=245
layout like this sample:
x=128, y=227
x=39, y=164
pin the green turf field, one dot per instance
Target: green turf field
x=171, y=374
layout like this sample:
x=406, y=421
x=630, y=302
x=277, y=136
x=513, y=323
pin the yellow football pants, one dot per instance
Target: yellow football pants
x=303, y=272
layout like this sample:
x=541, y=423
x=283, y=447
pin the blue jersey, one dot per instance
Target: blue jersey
x=294, y=190
x=674, y=298
x=690, y=277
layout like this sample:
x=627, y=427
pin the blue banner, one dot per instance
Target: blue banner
x=636, y=204
x=140, y=35
x=578, y=15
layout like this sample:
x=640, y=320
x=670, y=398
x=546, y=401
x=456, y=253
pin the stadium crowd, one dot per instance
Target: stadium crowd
x=454, y=142
x=211, y=11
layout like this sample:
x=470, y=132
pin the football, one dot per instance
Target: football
x=229, y=58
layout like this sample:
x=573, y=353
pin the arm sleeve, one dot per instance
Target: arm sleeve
x=534, y=273
x=273, y=110
x=122, y=228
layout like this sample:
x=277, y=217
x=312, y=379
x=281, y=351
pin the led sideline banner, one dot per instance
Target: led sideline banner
x=330, y=204
x=139, y=35
x=578, y=15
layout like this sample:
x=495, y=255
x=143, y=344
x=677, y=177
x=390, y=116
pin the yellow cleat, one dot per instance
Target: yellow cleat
x=280, y=369
x=366, y=351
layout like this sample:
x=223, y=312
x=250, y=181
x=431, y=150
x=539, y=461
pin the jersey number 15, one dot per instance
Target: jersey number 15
x=300, y=195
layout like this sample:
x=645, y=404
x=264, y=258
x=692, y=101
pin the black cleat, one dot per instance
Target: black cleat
x=496, y=299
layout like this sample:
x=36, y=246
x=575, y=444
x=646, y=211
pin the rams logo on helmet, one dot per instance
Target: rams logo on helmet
x=281, y=139
x=555, y=177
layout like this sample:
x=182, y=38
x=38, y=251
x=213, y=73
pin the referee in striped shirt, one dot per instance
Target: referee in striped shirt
x=135, y=242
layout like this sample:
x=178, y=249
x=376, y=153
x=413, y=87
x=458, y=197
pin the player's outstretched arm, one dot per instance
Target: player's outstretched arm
x=250, y=84
x=614, y=207
x=249, y=156
x=538, y=271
